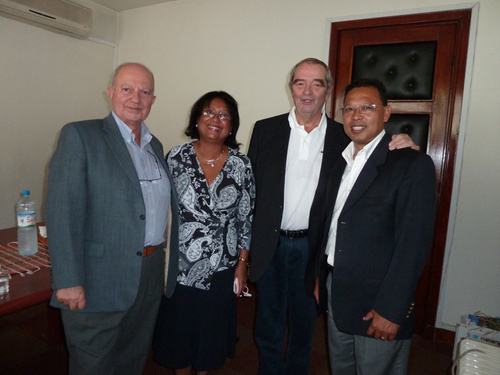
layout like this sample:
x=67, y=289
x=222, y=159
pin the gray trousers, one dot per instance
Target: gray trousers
x=361, y=355
x=106, y=343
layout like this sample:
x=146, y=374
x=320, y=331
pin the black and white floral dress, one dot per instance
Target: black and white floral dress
x=215, y=223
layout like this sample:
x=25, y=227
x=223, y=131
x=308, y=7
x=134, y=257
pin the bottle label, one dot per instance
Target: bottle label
x=26, y=220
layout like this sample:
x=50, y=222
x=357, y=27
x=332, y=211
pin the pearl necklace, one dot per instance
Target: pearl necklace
x=212, y=161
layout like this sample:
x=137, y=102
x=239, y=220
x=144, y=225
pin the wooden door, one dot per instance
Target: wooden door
x=421, y=59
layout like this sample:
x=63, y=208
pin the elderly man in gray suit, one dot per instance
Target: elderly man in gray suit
x=109, y=193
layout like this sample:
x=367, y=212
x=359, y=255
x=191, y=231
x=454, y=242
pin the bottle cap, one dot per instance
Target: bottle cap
x=26, y=192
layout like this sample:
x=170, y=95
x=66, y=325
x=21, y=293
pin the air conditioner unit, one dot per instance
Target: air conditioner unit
x=60, y=16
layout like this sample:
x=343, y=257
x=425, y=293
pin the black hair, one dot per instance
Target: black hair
x=202, y=103
x=369, y=82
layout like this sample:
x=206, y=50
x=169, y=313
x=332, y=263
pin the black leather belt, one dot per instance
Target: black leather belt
x=294, y=233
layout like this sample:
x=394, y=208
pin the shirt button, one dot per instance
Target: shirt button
x=142, y=217
x=139, y=254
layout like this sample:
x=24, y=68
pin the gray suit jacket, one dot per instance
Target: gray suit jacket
x=95, y=216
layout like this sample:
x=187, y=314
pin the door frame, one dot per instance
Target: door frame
x=434, y=324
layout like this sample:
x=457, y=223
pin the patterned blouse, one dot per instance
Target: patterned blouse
x=215, y=220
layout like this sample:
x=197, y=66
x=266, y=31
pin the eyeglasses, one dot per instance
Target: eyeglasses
x=363, y=109
x=221, y=115
x=157, y=169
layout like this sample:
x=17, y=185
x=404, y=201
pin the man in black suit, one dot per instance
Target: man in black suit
x=291, y=156
x=378, y=217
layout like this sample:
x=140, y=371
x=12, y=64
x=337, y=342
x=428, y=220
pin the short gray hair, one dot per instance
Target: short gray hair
x=312, y=60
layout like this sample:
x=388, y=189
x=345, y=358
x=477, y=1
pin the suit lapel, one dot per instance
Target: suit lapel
x=332, y=152
x=117, y=145
x=369, y=172
x=281, y=151
x=159, y=153
x=172, y=229
x=332, y=190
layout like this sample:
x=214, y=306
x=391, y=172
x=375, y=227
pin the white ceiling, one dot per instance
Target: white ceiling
x=121, y=5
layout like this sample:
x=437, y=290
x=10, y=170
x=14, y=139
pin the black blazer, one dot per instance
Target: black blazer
x=268, y=151
x=384, y=236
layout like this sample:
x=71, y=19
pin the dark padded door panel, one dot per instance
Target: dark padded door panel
x=406, y=69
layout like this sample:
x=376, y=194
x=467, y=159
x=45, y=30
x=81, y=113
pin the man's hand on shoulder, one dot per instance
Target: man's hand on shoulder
x=381, y=328
x=73, y=297
x=402, y=140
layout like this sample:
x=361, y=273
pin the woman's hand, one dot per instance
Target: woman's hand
x=241, y=271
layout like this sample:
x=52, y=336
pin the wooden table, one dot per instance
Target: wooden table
x=26, y=291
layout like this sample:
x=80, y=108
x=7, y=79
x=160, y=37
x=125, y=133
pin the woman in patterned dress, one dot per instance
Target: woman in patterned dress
x=196, y=328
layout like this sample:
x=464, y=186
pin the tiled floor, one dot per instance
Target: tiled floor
x=31, y=342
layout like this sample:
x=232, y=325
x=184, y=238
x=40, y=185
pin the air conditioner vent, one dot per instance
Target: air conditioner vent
x=60, y=16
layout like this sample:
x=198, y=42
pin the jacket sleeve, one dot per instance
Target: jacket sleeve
x=414, y=226
x=65, y=209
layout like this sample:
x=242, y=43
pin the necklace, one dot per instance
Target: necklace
x=212, y=161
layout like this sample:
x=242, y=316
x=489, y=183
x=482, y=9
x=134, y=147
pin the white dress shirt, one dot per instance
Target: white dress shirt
x=303, y=166
x=351, y=174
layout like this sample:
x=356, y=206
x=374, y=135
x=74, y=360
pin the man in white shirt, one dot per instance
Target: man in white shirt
x=378, y=218
x=291, y=156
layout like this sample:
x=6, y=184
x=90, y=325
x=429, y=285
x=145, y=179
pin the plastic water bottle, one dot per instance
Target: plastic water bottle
x=27, y=242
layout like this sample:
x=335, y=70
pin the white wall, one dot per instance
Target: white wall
x=47, y=80
x=247, y=48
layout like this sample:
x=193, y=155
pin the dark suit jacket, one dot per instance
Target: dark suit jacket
x=96, y=216
x=384, y=236
x=268, y=151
